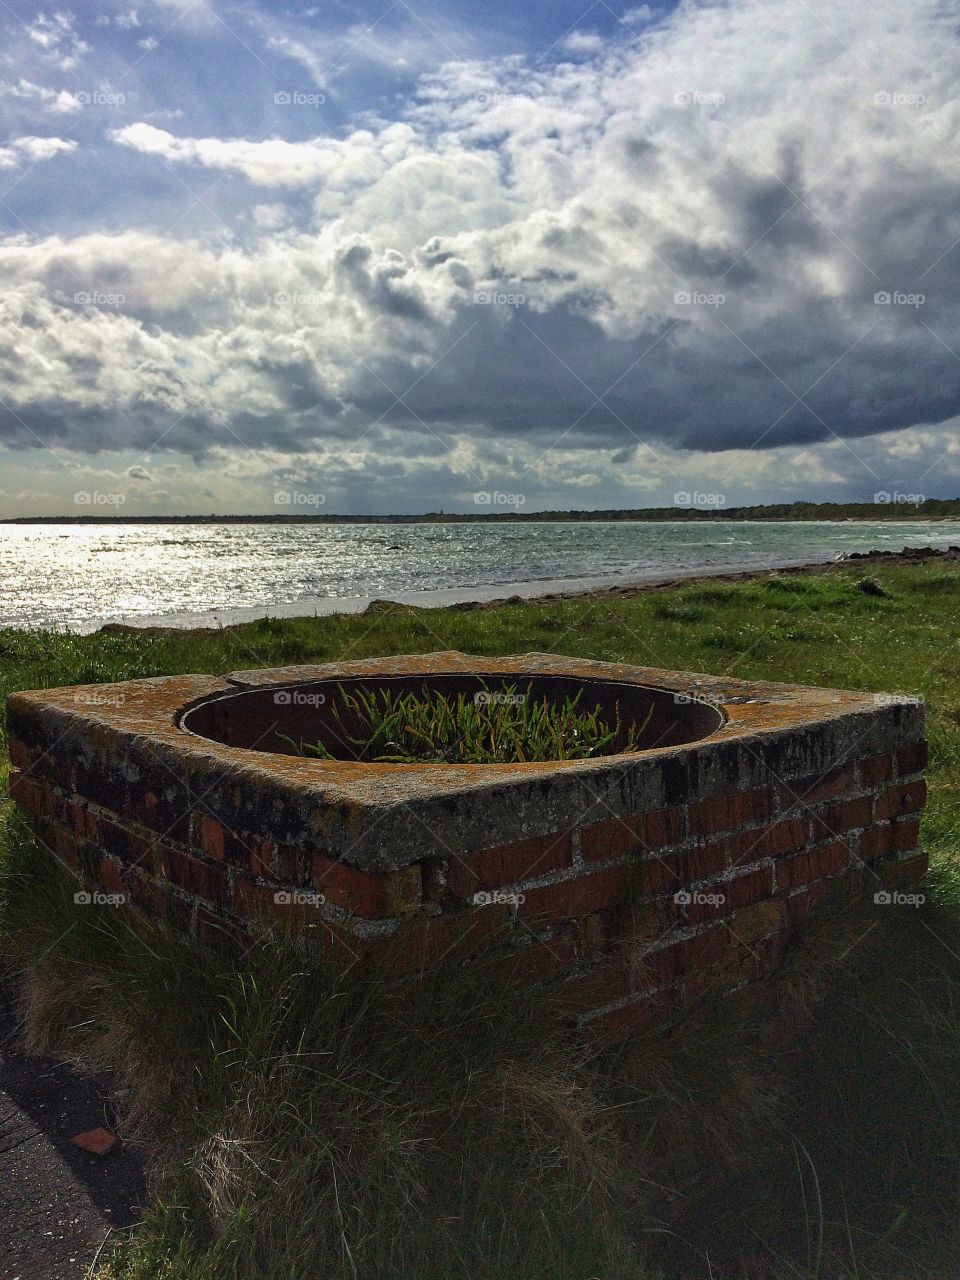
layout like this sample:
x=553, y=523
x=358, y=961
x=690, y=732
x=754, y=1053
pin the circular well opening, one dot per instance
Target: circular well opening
x=279, y=718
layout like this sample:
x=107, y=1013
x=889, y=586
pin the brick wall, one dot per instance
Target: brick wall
x=695, y=877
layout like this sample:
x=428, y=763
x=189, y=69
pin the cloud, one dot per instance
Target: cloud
x=57, y=37
x=58, y=101
x=32, y=150
x=680, y=241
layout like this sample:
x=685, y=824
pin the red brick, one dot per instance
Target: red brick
x=727, y=813
x=26, y=793
x=816, y=788
x=633, y=1018
x=845, y=816
x=742, y=890
x=110, y=875
x=767, y=842
x=212, y=837
x=580, y=896
x=701, y=951
x=906, y=834
x=905, y=797
x=199, y=879
x=509, y=864
x=912, y=758
x=701, y=861
x=602, y=985
x=876, y=842
x=97, y=1142
x=812, y=864
x=374, y=897
x=876, y=769
x=18, y=753
x=426, y=944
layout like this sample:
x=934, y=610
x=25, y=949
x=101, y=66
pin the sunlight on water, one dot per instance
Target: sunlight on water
x=82, y=575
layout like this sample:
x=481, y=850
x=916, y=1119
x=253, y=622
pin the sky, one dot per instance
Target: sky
x=445, y=255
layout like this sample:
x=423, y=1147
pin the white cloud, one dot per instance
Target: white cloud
x=31, y=150
x=58, y=101
x=680, y=234
x=56, y=35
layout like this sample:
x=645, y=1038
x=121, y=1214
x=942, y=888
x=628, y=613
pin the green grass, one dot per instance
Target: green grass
x=507, y=726
x=317, y=1130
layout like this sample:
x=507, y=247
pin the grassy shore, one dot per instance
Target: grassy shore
x=318, y=1130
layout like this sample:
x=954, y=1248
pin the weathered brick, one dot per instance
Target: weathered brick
x=812, y=864
x=816, y=788
x=906, y=834
x=18, y=753
x=847, y=815
x=110, y=875
x=365, y=894
x=632, y=834
x=509, y=864
x=630, y=1019
x=580, y=896
x=199, y=879
x=602, y=985
x=28, y=794
x=213, y=837
x=741, y=890
x=767, y=842
x=728, y=812
x=429, y=943
x=912, y=758
x=876, y=769
x=905, y=797
x=876, y=842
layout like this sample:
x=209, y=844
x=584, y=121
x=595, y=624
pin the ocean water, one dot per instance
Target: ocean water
x=80, y=576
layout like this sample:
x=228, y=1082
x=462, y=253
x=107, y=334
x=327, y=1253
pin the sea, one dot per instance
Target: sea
x=79, y=577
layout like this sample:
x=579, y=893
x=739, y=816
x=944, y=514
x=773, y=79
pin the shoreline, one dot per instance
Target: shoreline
x=491, y=597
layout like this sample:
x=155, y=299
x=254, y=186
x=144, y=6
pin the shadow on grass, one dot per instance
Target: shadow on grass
x=319, y=1125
